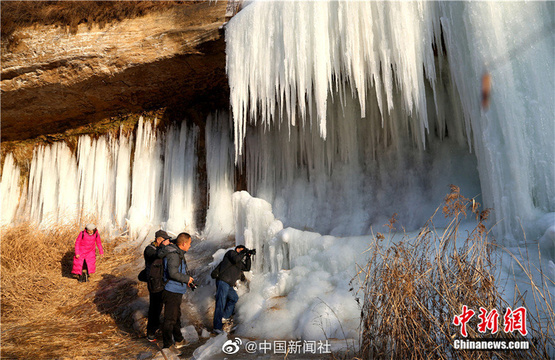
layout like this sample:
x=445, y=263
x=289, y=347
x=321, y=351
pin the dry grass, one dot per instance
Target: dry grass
x=542, y=316
x=413, y=289
x=47, y=314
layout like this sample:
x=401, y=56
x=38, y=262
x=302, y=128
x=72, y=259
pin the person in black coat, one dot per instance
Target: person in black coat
x=161, y=239
x=230, y=270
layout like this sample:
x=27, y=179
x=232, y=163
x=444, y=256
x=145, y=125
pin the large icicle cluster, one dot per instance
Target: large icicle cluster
x=359, y=176
x=287, y=59
x=64, y=186
x=117, y=182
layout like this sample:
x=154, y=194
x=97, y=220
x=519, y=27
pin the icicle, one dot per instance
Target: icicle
x=122, y=148
x=179, y=179
x=10, y=189
x=145, y=183
x=220, y=172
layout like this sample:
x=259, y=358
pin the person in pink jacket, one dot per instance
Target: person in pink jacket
x=85, y=252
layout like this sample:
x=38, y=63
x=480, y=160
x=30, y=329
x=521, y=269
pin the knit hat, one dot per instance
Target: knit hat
x=90, y=227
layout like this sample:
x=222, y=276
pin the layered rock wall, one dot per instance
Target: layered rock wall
x=55, y=78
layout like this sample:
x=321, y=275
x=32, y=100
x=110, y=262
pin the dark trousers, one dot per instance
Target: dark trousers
x=171, y=330
x=226, y=298
x=154, y=311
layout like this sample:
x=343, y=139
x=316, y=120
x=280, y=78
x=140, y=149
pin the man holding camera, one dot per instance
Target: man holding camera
x=229, y=271
x=178, y=281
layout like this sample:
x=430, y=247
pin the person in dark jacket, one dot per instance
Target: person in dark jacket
x=161, y=239
x=230, y=270
x=178, y=281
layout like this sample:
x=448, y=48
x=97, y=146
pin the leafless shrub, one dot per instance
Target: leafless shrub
x=412, y=290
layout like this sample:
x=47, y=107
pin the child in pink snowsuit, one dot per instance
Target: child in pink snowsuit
x=85, y=250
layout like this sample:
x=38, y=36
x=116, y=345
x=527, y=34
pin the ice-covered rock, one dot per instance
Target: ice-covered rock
x=190, y=334
x=210, y=348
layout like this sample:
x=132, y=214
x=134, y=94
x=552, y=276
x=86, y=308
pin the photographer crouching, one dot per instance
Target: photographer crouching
x=226, y=274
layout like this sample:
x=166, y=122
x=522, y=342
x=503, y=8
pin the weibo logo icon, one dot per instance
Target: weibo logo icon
x=231, y=347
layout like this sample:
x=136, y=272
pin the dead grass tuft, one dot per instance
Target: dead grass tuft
x=412, y=290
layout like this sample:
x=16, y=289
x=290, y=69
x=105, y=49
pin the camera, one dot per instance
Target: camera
x=250, y=251
x=193, y=286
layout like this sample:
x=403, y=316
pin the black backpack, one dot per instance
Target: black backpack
x=155, y=280
x=215, y=274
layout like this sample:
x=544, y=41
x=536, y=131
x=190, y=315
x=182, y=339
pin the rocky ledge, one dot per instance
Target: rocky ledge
x=56, y=78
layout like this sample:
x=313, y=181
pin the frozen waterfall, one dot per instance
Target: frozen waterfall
x=343, y=113
x=360, y=110
x=417, y=68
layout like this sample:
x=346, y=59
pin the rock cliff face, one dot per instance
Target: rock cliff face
x=55, y=77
